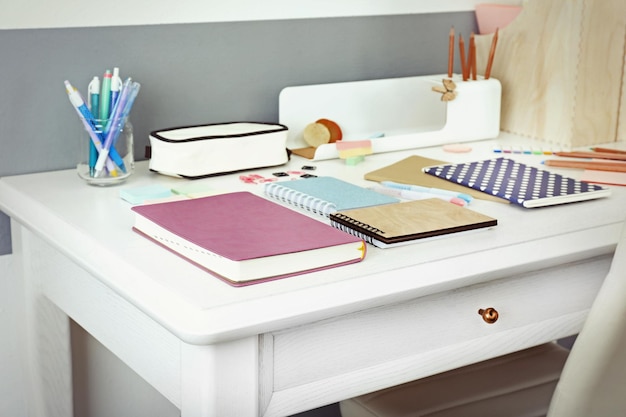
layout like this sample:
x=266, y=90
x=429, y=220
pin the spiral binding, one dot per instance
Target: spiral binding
x=300, y=199
x=359, y=224
x=353, y=232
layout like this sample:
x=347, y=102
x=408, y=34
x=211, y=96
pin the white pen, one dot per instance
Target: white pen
x=417, y=195
x=93, y=96
x=468, y=198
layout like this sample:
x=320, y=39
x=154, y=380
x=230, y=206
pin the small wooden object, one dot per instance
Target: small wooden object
x=447, y=90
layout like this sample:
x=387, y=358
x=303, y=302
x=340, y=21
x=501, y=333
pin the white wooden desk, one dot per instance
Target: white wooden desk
x=290, y=345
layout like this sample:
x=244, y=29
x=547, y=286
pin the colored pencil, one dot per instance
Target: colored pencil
x=451, y=53
x=598, y=155
x=492, y=53
x=462, y=54
x=598, y=166
x=472, y=56
x=608, y=150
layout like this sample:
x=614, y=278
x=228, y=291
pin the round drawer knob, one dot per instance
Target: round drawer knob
x=490, y=315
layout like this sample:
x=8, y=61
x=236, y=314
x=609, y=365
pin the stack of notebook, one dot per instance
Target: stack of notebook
x=379, y=219
x=242, y=238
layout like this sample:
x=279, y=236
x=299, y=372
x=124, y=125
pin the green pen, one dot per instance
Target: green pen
x=105, y=96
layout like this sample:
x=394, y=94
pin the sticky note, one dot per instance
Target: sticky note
x=139, y=195
x=348, y=149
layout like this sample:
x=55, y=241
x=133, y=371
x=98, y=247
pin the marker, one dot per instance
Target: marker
x=105, y=96
x=93, y=102
x=416, y=195
x=390, y=184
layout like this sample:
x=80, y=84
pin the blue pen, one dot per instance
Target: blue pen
x=93, y=102
x=116, y=86
x=468, y=198
x=78, y=102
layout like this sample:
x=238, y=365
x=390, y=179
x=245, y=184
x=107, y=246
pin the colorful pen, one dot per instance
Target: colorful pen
x=105, y=96
x=417, y=188
x=93, y=102
x=116, y=86
x=78, y=102
x=87, y=119
x=121, y=111
x=93, y=97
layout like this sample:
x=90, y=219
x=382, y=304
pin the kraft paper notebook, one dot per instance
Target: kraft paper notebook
x=325, y=195
x=410, y=171
x=519, y=183
x=243, y=238
x=401, y=223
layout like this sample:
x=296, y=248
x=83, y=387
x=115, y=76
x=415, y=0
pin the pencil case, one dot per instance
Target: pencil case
x=213, y=149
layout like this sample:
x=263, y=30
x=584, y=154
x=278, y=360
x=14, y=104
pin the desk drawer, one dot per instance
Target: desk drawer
x=427, y=335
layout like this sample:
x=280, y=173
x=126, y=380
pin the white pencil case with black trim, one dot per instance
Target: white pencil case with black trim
x=212, y=149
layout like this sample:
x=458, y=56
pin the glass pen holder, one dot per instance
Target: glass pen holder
x=105, y=151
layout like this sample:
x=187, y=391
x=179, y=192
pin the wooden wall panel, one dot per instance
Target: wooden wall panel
x=561, y=64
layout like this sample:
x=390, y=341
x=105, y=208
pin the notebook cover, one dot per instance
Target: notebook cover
x=324, y=195
x=409, y=171
x=408, y=221
x=241, y=226
x=519, y=183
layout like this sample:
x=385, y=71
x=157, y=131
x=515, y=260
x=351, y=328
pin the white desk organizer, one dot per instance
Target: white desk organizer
x=405, y=110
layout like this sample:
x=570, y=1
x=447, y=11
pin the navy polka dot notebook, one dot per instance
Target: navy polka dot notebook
x=518, y=183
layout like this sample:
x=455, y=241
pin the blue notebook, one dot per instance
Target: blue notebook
x=518, y=183
x=325, y=195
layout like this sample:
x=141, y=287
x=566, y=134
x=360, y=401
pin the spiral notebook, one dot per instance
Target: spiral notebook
x=519, y=183
x=397, y=224
x=325, y=195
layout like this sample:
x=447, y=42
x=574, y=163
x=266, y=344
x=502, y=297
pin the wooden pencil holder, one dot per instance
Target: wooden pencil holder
x=396, y=113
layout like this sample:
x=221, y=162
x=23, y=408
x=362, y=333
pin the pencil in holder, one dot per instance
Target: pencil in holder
x=106, y=151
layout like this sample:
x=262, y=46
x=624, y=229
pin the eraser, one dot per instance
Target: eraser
x=354, y=160
x=457, y=148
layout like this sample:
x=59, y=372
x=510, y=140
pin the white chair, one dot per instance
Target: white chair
x=544, y=380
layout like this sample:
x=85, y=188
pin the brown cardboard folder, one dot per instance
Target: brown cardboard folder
x=409, y=171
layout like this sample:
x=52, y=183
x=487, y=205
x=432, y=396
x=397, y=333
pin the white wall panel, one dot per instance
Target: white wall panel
x=79, y=13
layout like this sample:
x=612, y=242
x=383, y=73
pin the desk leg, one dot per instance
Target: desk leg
x=44, y=335
x=220, y=380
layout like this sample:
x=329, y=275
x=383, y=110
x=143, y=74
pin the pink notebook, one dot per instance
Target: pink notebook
x=243, y=238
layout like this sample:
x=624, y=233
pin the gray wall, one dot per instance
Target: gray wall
x=195, y=73
x=192, y=73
